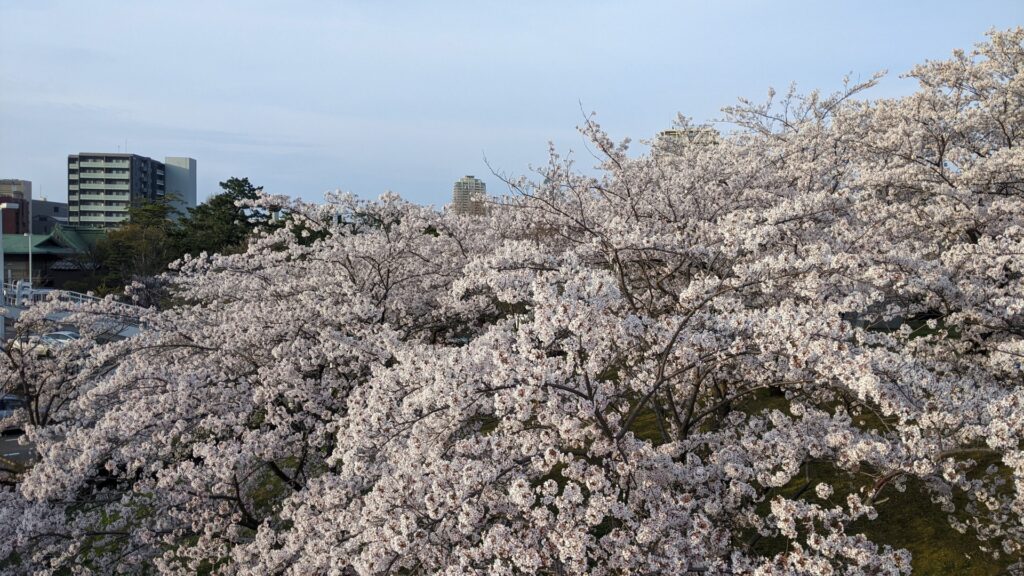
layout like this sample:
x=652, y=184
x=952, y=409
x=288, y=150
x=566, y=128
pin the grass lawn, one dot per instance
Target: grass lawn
x=906, y=520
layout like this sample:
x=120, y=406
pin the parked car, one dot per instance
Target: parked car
x=58, y=339
x=43, y=344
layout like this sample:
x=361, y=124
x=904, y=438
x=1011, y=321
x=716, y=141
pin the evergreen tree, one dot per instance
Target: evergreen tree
x=220, y=224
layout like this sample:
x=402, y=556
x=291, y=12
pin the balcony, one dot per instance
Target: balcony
x=101, y=218
x=106, y=164
x=102, y=197
x=103, y=174
x=124, y=187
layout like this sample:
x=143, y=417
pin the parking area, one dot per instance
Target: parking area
x=12, y=452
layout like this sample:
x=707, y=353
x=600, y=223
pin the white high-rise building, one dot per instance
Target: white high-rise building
x=469, y=196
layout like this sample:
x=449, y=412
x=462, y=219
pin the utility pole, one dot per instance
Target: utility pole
x=29, y=200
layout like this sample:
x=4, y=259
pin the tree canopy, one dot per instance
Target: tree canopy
x=221, y=224
x=156, y=234
x=734, y=356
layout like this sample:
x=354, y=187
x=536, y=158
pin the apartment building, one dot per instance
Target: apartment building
x=102, y=185
x=469, y=196
x=18, y=192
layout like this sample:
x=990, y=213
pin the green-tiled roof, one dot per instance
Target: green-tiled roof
x=18, y=244
x=63, y=241
x=79, y=238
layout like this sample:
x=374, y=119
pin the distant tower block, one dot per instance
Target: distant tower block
x=674, y=141
x=469, y=196
x=17, y=192
x=180, y=178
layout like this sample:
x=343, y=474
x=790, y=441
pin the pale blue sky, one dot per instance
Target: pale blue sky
x=308, y=96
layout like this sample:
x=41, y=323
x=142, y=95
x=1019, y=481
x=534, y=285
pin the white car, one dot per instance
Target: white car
x=42, y=345
x=58, y=339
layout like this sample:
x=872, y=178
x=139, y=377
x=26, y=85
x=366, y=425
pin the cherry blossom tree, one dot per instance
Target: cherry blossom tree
x=629, y=373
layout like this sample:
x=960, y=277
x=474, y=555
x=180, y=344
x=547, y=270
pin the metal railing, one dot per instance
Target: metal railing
x=22, y=295
x=18, y=296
